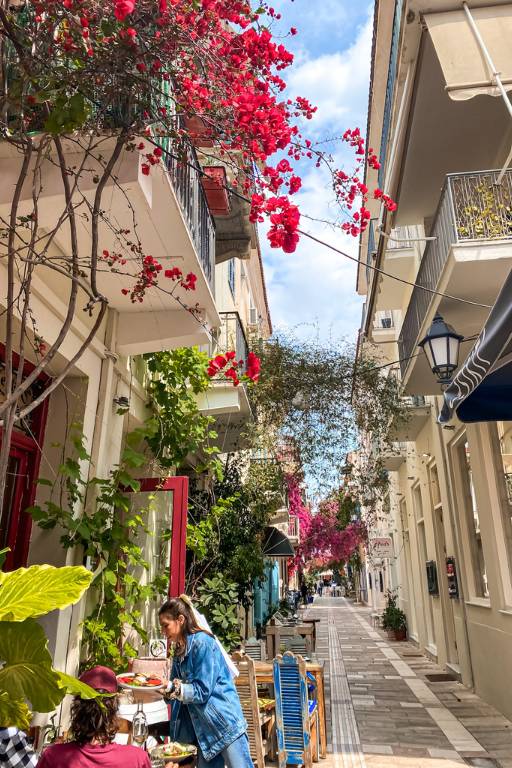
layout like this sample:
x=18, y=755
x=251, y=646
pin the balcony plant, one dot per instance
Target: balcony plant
x=394, y=620
x=214, y=183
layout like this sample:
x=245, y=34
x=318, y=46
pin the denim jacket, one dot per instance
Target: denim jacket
x=209, y=695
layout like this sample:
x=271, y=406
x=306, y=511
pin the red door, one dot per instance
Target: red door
x=22, y=471
x=166, y=503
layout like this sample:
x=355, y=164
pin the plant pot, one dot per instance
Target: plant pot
x=400, y=634
x=200, y=134
x=215, y=188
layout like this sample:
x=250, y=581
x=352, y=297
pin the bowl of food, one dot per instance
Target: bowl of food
x=174, y=752
x=136, y=681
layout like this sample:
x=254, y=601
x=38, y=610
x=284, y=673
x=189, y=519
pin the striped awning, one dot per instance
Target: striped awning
x=276, y=543
x=482, y=389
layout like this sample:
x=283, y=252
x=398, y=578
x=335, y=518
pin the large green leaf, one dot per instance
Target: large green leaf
x=14, y=712
x=27, y=672
x=34, y=591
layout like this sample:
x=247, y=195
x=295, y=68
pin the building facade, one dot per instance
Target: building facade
x=442, y=123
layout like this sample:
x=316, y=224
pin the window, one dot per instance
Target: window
x=423, y=557
x=231, y=275
x=473, y=521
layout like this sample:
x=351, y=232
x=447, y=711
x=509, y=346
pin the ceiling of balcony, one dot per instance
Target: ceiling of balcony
x=444, y=137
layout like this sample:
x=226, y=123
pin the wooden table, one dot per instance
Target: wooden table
x=313, y=622
x=265, y=675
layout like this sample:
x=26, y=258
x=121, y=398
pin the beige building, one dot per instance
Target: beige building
x=440, y=115
x=177, y=219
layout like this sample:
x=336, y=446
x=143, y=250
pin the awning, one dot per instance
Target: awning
x=464, y=67
x=276, y=544
x=482, y=389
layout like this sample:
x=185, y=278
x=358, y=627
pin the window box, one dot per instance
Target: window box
x=215, y=188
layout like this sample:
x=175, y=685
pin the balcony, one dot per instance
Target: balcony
x=393, y=457
x=228, y=405
x=469, y=259
x=415, y=414
x=173, y=224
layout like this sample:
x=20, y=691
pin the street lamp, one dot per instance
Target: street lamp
x=441, y=346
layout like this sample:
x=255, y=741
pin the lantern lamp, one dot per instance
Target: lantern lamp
x=441, y=346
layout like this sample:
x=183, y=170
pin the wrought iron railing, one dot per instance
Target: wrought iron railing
x=186, y=181
x=390, y=89
x=472, y=207
x=293, y=527
x=232, y=335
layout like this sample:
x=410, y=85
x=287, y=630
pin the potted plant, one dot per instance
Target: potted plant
x=214, y=183
x=394, y=620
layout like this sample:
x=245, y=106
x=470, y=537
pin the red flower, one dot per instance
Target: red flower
x=123, y=8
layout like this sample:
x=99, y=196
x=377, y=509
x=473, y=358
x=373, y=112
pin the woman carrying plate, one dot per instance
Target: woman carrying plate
x=206, y=710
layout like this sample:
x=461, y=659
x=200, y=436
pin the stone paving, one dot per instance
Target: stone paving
x=385, y=713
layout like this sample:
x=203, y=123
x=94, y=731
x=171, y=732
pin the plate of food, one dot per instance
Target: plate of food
x=136, y=681
x=174, y=752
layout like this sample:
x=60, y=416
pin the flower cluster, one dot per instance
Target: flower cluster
x=227, y=366
x=148, y=278
x=160, y=90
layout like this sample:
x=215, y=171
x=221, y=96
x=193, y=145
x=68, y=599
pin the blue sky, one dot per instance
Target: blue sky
x=331, y=69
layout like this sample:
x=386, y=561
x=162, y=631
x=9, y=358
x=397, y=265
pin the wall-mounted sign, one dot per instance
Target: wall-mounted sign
x=381, y=547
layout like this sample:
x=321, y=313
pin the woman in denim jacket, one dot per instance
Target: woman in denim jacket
x=206, y=710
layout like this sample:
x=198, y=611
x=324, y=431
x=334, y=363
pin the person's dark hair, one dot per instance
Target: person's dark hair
x=94, y=719
x=177, y=606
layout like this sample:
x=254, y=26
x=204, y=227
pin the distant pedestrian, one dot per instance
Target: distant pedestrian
x=304, y=592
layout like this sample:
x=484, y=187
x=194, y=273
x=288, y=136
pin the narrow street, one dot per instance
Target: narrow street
x=385, y=712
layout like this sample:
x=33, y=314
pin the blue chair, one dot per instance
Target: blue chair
x=296, y=714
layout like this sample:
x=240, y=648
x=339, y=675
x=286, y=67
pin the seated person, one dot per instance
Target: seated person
x=15, y=748
x=93, y=728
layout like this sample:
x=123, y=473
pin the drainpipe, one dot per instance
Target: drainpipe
x=457, y=538
x=495, y=74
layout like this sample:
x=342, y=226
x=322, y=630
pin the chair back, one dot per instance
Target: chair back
x=297, y=644
x=247, y=690
x=254, y=649
x=292, y=713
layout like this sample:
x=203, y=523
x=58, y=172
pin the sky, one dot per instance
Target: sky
x=315, y=287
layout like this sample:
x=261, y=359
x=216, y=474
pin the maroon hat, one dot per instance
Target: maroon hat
x=101, y=679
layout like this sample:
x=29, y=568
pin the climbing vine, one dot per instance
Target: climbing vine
x=97, y=516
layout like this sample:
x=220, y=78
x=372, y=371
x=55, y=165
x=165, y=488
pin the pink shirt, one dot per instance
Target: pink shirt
x=73, y=755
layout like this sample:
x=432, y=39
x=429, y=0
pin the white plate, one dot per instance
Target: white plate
x=137, y=687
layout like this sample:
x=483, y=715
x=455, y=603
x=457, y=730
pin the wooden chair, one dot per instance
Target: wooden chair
x=296, y=716
x=254, y=648
x=297, y=645
x=247, y=689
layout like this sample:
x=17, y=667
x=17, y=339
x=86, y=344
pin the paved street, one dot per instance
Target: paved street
x=385, y=713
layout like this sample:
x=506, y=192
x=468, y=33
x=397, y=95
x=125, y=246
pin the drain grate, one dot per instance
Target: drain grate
x=481, y=762
x=441, y=677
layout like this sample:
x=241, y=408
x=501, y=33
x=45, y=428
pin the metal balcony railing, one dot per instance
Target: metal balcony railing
x=293, y=527
x=472, y=207
x=232, y=335
x=187, y=184
x=390, y=88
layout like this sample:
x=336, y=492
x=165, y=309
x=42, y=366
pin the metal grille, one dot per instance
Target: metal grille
x=431, y=267
x=483, y=209
x=390, y=89
x=232, y=335
x=472, y=207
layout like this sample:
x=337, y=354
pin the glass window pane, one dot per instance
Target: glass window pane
x=473, y=518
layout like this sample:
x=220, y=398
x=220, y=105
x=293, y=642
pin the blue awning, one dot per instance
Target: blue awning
x=482, y=389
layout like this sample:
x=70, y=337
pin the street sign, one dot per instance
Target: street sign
x=381, y=547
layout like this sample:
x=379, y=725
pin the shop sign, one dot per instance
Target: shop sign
x=381, y=547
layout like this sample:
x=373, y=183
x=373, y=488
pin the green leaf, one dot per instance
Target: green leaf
x=27, y=672
x=34, y=591
x=14, y=713
x=3, y=555
x=111, y=577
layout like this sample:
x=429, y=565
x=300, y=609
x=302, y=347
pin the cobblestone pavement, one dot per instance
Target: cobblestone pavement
x=383, y=711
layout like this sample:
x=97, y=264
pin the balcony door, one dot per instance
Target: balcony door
x=163, y=504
